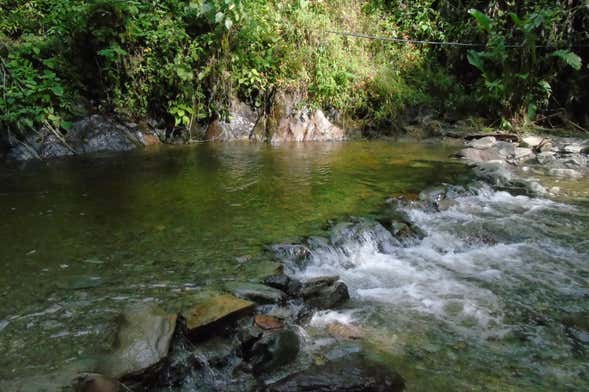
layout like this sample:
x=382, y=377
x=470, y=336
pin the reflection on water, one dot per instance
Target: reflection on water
x=81, y=238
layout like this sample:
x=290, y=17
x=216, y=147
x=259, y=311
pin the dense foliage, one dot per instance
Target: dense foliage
x=180, y=61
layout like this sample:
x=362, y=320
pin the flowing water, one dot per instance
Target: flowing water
x=494, y=297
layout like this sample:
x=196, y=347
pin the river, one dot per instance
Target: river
x=494, y=297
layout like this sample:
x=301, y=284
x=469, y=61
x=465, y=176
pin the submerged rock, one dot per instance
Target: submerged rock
x=344, y=331
x=353, y=373
x=211, y=313
x=93, y=382
x=565, y=173
x=256, y=292
x=476, y=155
x=274, y=350
x=142, y=342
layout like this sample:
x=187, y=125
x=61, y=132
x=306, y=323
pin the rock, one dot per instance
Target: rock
x=143, y=340
x=256, y=292
x=522, y=154
x=585, y=150
x=498, y=136
x=476, y=155
x=483, y=143
x=325, y=292
x=361, y=230
x=353, y=373
x=575, y=160
x=211, y=313
x=242, y=120
x=565, y=173
x=344, y=331
x=274, y=350
x=147, y=138
x=433, y=195
x=315, y=285
x=496, y=172
x=287, y=122
x=545, y=157
x=532, y=141
x=505, y=149
x=266, y=322
x=284, y=283
x=572, y=148
x=577, y=327
x=95, y=133
x=295, y=253
x=93, y=382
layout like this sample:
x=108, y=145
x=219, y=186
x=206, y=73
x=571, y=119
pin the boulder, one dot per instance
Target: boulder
x=353, y=373
x=483, y=143
x=325, y=292
x=95, y=133
x=143, y=339
x=284, y=283
x=212, y=312
x=256, y=292
x=274, y=350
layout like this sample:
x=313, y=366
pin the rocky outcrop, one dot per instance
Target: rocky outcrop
x=239, y=126
x=92, y=134
x=285, y=119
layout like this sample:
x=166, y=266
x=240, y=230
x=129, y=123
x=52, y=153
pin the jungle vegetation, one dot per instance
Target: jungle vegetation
x=180, y=61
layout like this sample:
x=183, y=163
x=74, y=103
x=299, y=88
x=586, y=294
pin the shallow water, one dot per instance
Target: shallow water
x=82, y=238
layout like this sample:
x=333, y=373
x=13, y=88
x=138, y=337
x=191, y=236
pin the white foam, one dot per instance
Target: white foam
x=448, y=275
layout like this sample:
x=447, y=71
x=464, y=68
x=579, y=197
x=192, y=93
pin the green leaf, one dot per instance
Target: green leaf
x=184, y=72
x=483, y=20
x=228, y=24
x=475, y=59
x=57, y=90
x=570, y=58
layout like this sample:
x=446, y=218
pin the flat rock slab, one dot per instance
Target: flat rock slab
x=143, y=340
x=218, y=309
x=256, y=292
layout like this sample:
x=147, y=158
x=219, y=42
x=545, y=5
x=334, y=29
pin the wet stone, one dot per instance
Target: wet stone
x=212, y=312
x=325, y=292
x=143, y=339
x=266, y=322
x=256, y=292
x=284, y=283
x=274, y=350
x=353, y=373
